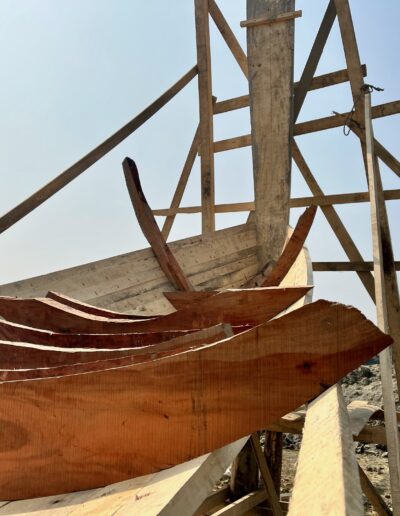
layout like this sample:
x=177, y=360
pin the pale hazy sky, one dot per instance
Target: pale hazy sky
x=73, y=72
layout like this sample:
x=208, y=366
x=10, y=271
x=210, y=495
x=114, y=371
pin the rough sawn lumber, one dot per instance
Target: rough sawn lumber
x=122, y=422
x=236, y=307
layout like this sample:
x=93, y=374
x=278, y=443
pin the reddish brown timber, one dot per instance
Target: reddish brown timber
x=27, y=361
x=94, y=310
x=113, y=425
x=151, y=231
x=18, y=333
x=183, y=300
x=237, y=307
x=273, y=274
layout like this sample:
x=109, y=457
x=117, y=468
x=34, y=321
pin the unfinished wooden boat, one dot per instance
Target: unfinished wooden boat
x=237, y=307
x=201, y=399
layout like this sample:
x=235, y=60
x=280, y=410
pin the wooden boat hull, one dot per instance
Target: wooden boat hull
x=90, y=430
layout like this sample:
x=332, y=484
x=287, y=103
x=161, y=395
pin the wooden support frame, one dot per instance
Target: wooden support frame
x=206, y=131
x=381, y=300
x=256, y=22
x=318, y=82
x=229, y=37
x=47, y=191
x=313, y=59
x=296, y=202
x=181, y=186
x=327, y=479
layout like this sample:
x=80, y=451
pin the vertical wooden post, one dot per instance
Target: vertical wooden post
x=270, y=57
x=270, y=54
x=206, y=116
x=385, y=358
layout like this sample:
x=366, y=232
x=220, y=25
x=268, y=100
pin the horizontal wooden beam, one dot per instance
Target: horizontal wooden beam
x=267, y=21
x=311, y=126
x=47, y=191
x=318, y=82
x=346, y=266
x=297, y=202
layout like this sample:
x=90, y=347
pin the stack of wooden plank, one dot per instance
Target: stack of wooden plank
x=92, y=397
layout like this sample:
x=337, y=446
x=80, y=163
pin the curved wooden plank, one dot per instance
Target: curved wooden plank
x=151, y=231
x=105, y=427
x=273, y=274
x=237, y=307
x=17, y=333
x=22, y=361
x=94, y=310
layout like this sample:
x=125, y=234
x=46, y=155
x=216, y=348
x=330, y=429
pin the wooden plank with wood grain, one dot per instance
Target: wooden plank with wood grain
x=313, y=59
x=206, y=125
x=382, y=279
x=270, y=58
x=182, y=183
x=237, y=307
x=151, y=231
x=225, y=390
x=273, y=273
x=320, y=81
x=229, y=37
x=30, y=362
x=327, y=480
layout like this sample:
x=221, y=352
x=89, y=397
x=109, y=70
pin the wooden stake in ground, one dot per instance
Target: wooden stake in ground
x=385, y=358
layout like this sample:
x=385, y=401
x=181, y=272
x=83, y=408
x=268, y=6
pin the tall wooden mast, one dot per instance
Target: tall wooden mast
x=270, y=49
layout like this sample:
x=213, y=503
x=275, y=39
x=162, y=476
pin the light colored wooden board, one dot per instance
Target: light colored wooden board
x=166, y=259
x=327, y=480
x=133, y=281
x=206, y=111
x=168, y=493
x=229, y=36
x=114, y=425
x=270, y=57
x=384, y=278
x=320, y=81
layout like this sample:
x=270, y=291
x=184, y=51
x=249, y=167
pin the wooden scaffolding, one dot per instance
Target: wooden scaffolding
x=268, y=64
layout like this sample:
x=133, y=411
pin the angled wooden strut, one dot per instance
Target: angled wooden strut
x=273, y=273
x=122, y=421
x=229, y=37
x=313, y=59
x=151, y=231
x=382, y=276
x=59, y=182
